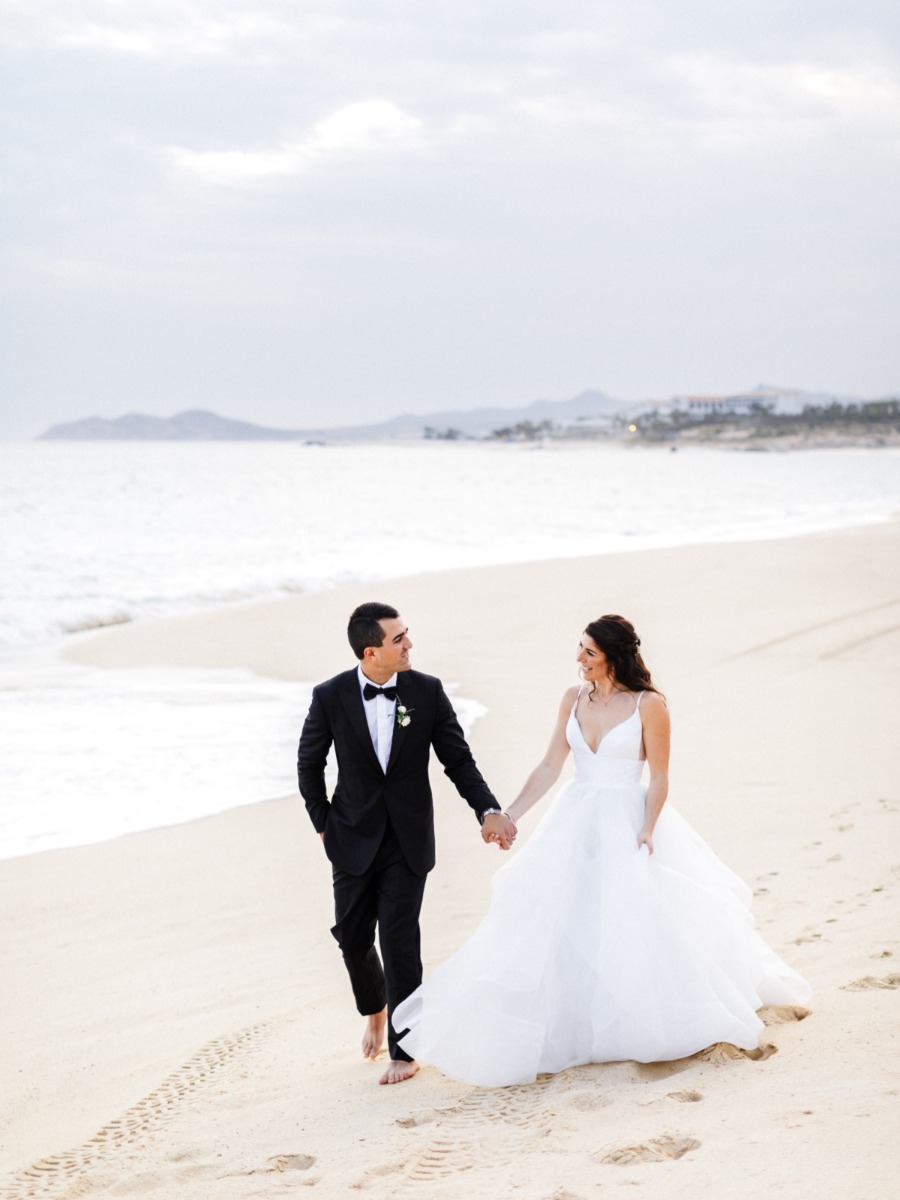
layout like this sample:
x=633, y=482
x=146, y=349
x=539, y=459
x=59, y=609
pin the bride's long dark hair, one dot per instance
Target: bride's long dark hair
x=618, y=640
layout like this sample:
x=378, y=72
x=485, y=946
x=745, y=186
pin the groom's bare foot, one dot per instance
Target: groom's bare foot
x=373, y=1038
x=398, y=1071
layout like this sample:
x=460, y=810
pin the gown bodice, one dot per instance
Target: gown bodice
x=617, y=760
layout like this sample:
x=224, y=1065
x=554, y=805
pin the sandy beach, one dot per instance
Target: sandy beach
x=175, y=1012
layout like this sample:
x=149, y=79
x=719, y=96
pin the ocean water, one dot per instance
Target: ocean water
x=92, y=534
x=98, y=532
x=92, y=755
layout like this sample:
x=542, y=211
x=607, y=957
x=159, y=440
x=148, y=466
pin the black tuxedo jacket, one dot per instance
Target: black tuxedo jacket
x=366, y=797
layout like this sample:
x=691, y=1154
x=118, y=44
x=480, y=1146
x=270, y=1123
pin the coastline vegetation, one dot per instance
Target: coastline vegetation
x=758, y=426
x=872, y=422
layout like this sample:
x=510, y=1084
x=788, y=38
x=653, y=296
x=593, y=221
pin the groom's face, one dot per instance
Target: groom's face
x=393, y=653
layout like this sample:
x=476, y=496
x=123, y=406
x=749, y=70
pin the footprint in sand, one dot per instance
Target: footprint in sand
x=494, y=1126
x=688, y=1096
x=871, y=981
x=662, y=1149
x=422, y=1118
x=290, y=1162
x=780, y=1014
x=724, y=1052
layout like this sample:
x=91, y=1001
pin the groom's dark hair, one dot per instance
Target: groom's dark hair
x=363, y=629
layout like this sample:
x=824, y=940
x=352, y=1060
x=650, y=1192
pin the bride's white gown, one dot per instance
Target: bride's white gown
x=595, y=951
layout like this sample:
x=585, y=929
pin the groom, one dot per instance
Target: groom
x=378, y=828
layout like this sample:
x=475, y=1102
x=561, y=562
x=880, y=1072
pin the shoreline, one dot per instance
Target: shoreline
x=68, y=637
x=272, y=532
x=161, y=667
x=204, y=1040
x=726, y=437
x=165, y=688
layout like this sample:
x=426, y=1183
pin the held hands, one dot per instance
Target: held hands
x=499, y=828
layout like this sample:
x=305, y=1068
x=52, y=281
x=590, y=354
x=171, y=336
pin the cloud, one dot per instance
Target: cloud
x=360, y=130
x=553, y=186
x=787, y=90
x=712, y=104
x=155, y=28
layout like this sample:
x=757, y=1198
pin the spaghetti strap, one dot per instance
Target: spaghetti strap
x=637, y=704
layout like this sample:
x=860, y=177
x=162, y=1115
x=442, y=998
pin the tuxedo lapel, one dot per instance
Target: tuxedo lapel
x=406, y=696
x=353, y=704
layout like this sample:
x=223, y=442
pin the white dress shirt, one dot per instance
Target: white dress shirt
x=380, y=714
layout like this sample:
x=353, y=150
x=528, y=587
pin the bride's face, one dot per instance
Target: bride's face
x=591, y=660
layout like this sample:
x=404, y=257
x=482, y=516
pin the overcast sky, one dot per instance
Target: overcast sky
x=318, y=212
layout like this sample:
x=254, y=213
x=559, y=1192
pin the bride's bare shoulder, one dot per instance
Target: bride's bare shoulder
x=653, y=702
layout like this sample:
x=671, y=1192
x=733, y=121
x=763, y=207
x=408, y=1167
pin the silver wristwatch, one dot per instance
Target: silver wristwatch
x=487, y=812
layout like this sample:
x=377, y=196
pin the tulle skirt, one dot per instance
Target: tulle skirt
x=595, y=951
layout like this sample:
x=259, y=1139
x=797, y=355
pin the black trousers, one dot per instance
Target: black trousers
x=388, y=896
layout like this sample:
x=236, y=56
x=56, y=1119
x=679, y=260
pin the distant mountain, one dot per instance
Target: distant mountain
x=589, y=407
x=585, y=406
x=481, y=421
x=199, y=425
x=194, y=426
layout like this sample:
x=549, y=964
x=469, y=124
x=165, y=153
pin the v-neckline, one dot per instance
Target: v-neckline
x=587, y=744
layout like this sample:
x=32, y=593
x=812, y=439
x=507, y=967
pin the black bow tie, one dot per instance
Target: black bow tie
x=370, y=692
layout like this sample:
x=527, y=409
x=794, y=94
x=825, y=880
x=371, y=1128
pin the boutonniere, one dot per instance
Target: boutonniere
x=404, y=715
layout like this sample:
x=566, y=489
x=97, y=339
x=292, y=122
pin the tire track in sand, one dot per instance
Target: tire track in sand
x=486, y=1126
x=859, y=616
x=70, y=1174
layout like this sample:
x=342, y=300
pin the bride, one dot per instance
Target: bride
x=615, y=933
